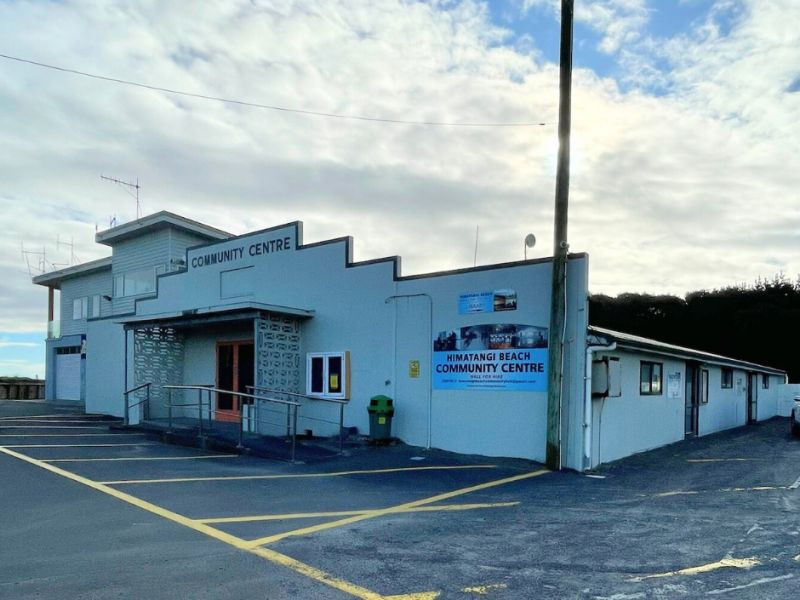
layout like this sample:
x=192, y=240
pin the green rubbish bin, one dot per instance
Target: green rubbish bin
x=381, y=411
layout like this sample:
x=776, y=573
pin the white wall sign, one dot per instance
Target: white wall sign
x=674, y=385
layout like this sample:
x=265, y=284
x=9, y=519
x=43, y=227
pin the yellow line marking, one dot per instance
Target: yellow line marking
x=81, y=445
x=394, y=509
x=483, y=590
x=725, y=563
x=270, y=555
x=296, y=475
x=52, y=460
x=347, y=513
x=715, y=460
x=59, y=435
x=758, y=488
x=676, y=493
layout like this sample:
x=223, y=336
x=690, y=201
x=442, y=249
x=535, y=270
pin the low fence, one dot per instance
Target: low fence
x=21, y=389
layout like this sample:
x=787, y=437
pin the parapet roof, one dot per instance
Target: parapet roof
x=635, y=342
x=157, y=221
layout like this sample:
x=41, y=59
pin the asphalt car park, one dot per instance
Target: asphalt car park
x=90, y=513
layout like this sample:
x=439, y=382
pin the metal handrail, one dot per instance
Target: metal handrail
x=201, y=388
x=126, y=394
x=341, y=404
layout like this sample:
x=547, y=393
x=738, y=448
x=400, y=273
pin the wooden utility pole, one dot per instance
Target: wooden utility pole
x=560, y=247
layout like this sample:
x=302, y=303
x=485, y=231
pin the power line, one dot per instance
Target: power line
x=266, y=106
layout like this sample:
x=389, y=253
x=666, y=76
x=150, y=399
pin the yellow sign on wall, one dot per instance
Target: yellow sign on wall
x=413, y=368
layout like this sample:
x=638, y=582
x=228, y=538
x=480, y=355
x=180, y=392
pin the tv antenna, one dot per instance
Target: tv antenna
x=73, y=258
x=132, y=188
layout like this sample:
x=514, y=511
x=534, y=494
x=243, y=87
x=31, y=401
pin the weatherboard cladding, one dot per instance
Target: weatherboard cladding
x=146, y=252
x=93, y=284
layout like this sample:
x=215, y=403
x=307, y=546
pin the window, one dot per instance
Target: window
x=765, y=381
x=704, y=386
x=651, y=375
x=327, y=374
x=96, y=306
x=727, y=378
x=136, y=283
x=80, y=308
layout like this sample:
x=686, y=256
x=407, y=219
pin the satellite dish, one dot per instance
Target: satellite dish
x=530, y=242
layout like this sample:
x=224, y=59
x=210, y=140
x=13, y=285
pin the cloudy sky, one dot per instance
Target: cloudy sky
x=685, y=133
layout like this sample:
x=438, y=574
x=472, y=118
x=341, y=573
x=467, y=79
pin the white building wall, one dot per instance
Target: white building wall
x=351, y=313
x=634, y=422
x=726, y=407
x=105, y=371
x=80, y=286
x=768, y=397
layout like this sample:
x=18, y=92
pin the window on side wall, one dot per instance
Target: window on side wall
x=765, y=381
x=327, y=374
x=80, y=308
x=704, y=386
x=727, y=378
x=650, y=378
x=96, y=306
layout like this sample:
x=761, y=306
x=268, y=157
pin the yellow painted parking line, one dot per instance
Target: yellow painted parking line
x=265, y=553
x=60, y=435
x=725, y=563
x=297, y=475
x=124, y=458
x=347, y=513
x=758, y=488
x=396, y=509
x=82, y=445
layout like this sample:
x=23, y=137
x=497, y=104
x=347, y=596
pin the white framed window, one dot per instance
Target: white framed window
x=80, y=308
x=96, y=306
x=136, y=283
x=328, y=374
x=704, y=386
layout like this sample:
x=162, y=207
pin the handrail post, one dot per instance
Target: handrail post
x=341, y=428
x=146, y=411
x=241, y=427
x=127, y=409
x=288, y=419
x=210, y=413
x=294, y=432
x=169, y=410
x=200, y=413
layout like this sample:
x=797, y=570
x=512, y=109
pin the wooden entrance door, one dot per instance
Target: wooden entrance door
x=235, y=371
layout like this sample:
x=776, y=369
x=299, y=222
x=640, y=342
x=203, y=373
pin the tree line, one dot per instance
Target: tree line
x=757, y=322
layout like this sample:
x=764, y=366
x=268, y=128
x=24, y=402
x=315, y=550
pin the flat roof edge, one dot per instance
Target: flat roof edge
x=633, y=342
x=81, y=269
x=165, y=218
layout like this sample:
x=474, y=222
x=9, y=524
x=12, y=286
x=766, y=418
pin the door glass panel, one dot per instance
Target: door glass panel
x=225, y=376
x=245, y=366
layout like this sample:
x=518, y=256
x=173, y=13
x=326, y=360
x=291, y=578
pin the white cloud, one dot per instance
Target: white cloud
x=617, y=21
x=693, y=188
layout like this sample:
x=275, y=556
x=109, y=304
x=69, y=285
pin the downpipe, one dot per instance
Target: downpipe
x=587, y=402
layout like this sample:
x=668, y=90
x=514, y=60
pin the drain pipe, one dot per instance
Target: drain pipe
x=587, y=402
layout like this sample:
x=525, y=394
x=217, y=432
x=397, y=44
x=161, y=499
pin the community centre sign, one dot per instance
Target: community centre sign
x=506, y=357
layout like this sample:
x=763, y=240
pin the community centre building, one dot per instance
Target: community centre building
x=462, y=353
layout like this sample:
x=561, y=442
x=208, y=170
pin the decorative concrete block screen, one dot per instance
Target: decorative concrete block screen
x=278, y=353
x=158, y=360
